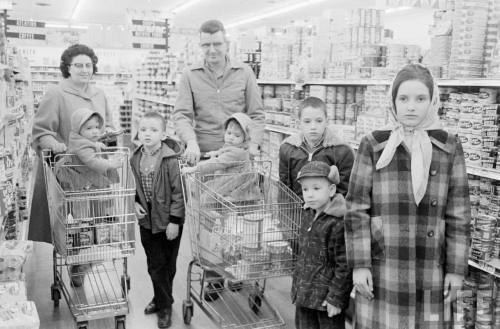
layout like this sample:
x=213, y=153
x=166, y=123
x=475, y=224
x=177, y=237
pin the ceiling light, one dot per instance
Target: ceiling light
x=66, y=26
x=184, y=6
x=274, y=13
x=42, y=4
x=76, y=9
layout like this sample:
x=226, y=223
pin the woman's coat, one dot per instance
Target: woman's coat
x=408, y=248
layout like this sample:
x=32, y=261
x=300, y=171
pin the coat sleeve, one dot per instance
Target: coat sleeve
x=357, y=218
x=177, y=200
x=183, y=115
x=222, y=161
x=344, y=164
x=341, y=286
x=284, y=170
x=255, y=109
x=46, y=121
x=457, y=216
x=90, y=158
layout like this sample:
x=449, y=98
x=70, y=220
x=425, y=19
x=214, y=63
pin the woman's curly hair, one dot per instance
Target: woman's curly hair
x=73, y=51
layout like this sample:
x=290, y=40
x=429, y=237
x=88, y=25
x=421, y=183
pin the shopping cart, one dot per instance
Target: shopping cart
x=92, y=220
x=245, y=234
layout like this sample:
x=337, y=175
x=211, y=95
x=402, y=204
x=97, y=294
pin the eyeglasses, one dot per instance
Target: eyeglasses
x=216, y=45
x=81, y=65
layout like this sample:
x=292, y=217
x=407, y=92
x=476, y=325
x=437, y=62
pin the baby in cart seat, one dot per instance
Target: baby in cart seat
x=229, y=166
x=88, y=169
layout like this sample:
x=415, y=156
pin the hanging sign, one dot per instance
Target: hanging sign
x=27, y=36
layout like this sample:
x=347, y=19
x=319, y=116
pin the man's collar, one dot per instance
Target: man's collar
x=229, y=64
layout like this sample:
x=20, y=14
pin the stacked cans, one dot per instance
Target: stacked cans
x=366, y=27
x=469, y=35
x=465, y=315
x=343, y=103
x=497, y=304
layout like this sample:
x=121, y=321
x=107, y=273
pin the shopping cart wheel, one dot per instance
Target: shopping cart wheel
x=120, y=322
x=234, y=285
x=55, y=294
x=187, y=311
x=123, y=281
x=82, y=325
x=255, y=301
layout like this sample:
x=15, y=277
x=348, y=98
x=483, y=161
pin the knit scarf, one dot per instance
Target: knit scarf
x=420, y=145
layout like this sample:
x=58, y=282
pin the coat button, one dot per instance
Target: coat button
x=434, y=203
x=430, y=234
x=433, y=172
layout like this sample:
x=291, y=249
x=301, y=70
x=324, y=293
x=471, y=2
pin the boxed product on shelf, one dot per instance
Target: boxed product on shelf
x=12, y=291
x=19, y=315
x=13, y=255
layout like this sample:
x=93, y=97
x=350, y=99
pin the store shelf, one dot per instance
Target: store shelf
x=152, y=80
x=275, y=82
x=46, y=80
x=281, y=129
x=483, y=172
x=347, y=82
x=492, y=267
x=154, y=99
x=469, y=83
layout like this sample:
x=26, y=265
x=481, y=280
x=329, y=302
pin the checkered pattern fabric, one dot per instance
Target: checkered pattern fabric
x=147, y=184
x=409, y=248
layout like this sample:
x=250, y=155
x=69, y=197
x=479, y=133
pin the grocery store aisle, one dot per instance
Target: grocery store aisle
x=39, y=278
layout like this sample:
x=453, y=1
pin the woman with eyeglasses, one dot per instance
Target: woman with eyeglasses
x=52, y=123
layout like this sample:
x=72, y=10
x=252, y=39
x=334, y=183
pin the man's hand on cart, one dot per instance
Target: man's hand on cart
x=139, y=211
x=331, y=309
x=192, y=153
x=172, y=231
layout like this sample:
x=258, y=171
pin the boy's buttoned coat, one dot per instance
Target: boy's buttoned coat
x=408, y=248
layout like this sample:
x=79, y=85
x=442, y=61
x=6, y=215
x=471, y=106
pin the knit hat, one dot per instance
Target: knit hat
x=244, y=121
x=320, y=169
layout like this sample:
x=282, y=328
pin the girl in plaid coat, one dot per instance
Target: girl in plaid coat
x=408, y=213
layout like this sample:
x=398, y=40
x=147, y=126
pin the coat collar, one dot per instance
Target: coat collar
x=230, y=65
x=336, y=207
x=438, y=137
x=169, y=148
x=331, y=139
x=69, y=88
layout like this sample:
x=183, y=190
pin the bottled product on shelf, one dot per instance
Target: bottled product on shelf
x=155, y=88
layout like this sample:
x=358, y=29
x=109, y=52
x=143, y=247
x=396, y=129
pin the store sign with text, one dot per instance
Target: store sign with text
x=149, y=34
x=25, y=29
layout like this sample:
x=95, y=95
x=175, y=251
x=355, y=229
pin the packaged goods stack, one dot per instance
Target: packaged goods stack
x=492, y=46
x=16, y=156
x=438, y=60
x=375, y=111
x=276, y=55
x=470, y=23
x=473, y=116
x=126, y=117
x=155, y=89
x=15, y=310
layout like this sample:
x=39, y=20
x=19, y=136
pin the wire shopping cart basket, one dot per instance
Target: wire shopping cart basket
x=243, y=229
x=92, y=221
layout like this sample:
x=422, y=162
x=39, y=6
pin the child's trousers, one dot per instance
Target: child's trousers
x=161, y=256
x=307, y=318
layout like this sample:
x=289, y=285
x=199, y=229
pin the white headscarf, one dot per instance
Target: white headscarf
x=421, y=147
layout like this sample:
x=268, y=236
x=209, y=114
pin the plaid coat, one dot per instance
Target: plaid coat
x=321, y=272
x=408, y=248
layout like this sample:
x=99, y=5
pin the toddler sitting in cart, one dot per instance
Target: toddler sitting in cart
x=232, y=158
x=88, y=168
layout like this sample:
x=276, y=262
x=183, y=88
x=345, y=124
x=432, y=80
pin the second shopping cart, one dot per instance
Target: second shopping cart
x=244, y=227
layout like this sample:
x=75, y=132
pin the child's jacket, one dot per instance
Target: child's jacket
x=321, y=271
x=167, y=203
x=87, y=169
x=333, y=151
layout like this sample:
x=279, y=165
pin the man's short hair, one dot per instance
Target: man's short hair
x=212, y=26
x=156, y=116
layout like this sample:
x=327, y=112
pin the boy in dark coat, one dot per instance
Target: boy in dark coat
x=322, y=281
x=159, y=208
x=315, y=141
